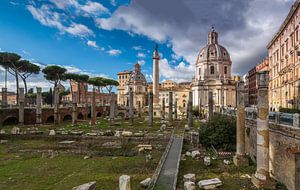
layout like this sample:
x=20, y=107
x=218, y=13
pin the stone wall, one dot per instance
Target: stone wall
x=284, y=148
x=47, y=113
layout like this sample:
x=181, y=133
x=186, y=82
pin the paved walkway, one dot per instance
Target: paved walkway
x=168, y=176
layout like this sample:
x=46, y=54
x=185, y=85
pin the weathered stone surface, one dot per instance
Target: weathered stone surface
x=189, y=177
x=15, y=131
x=2, y=131
x=210, y=183
x=66, y=142
x=139, y=134
x=227, y=162
x=3, y=141
x=76, y=132
x=207, y=161
x=195, y=153
x=117, y=133
x=127, y=133
x=91, y=134
x=188, y=153
x=108, y=133
x=52, y=132
x=145, y=183
x=86, y=186
x=124, y=182
x=186, y=127
x=189, y=185
x=112, y=144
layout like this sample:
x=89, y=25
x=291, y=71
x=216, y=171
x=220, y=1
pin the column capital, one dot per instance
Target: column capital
x=262, y=79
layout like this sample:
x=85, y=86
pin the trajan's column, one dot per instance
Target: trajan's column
x=156, y=105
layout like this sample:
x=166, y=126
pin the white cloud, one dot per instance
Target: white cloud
x=114, y=52
x=141, y=55
x=185, y=24
x=50, y=18
x=79, y=30
x=141, y=62
x=92, y=43
x=113, y=2
x=137, y=48
x=180, y=73
x=94, y=8
x=63, y=4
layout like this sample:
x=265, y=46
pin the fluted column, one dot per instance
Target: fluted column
x=112, y=109
x=4, y=97
x=38, y=106
x=210, y=105
x=56, y=105
x=131, y=108
x=190, y=110
x=170, y=123
x=93, y=108
x=150, y=109
x=74, y=108
x=163, y=109
x=21, y=105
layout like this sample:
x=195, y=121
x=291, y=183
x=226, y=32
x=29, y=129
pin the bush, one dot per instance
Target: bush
x=220, y=132
x=288, y=110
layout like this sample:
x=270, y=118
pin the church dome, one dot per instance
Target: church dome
x=213, y=50
x=137, y=76
x=213, y=61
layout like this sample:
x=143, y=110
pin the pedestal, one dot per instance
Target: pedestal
x=268, y=183
x=157, y=111
x=240, y=160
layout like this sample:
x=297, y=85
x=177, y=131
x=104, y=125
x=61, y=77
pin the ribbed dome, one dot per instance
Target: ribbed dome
x=212, y=50
x=136, y=76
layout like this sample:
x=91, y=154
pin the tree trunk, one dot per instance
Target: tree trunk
x=17, y=86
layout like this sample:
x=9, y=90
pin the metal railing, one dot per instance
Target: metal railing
x=160, y=164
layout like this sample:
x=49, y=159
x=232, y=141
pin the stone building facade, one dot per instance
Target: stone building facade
x=252, y=81
x=213, y=74
x=283, y=53
x=132, y=81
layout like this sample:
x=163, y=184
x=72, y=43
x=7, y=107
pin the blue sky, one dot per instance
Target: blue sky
x=103, y=37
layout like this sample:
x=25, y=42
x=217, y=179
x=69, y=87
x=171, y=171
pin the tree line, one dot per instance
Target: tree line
x=21, y=68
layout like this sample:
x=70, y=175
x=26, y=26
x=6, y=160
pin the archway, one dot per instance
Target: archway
x=10, y=121
x=50, y=119
x=80, y=116
x=67, y=118
x=99, y=114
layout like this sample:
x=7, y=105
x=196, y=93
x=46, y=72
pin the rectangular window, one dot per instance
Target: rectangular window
x=199, y=71
x=212, y=70
x=225, y=70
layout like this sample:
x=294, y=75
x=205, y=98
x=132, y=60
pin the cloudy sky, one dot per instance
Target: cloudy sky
x=103, y=37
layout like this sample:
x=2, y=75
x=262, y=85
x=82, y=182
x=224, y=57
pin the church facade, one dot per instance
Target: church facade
x=213, y=74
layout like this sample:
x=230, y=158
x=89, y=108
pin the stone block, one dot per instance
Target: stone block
x=189, y=185
x=15, y=131
x=195, y=153
x=239, y=160
x=145, y=183
x=86, y=186
x=124, y=182
x=263, y=184
x=52, y=132
x=207, y=161
x=127, y=133
x=210, y=183
x=189, y=177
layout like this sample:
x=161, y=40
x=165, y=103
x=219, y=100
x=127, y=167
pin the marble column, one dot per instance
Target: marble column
x=93, y=108
x=261, y=179
x=74, y=108
x=150, y=101
x=131, y=108
x=38, y=113
x=140, y=108
x=163, y=109
x=240, y=159
x=56, y=105
x=156, y=59
x=190, y=110
x=175, y=109
x=210, y=105
x=112, y=109
x=4, y=97
x=170, y=118
x=21, y=105
x=222, y=99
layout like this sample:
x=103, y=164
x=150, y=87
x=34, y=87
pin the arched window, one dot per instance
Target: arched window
x=225, y=70
x=212, y=70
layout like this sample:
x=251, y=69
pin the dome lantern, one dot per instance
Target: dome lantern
x=212, y=36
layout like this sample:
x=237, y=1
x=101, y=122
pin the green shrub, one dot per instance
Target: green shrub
x=220, y=132
x=289, y=110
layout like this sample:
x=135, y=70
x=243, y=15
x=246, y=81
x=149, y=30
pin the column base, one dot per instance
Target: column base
x=269, y=183
x=157, y=111
x=240, y=160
